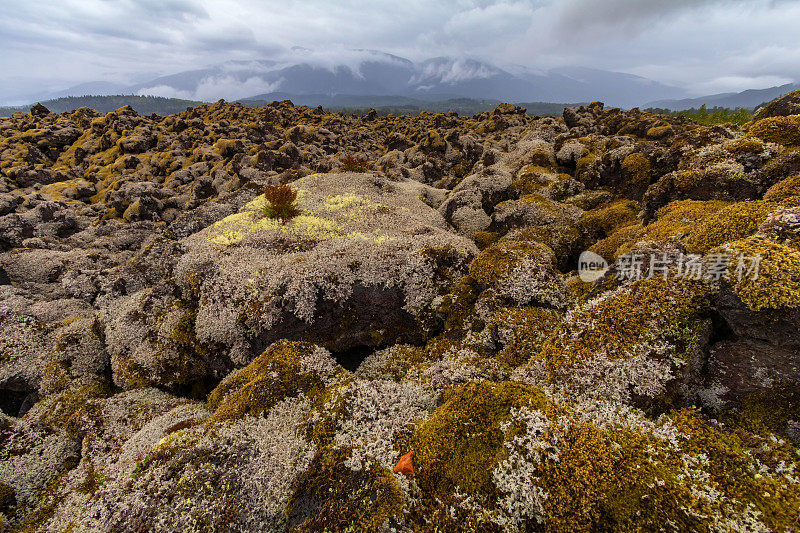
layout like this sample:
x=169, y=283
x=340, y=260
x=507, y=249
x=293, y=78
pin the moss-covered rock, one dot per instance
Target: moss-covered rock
x=332, y=497
x=780, y=130
x=459, y=445
x=777, y=283
x=285, y=369
x=730, y=223
x=784, y=189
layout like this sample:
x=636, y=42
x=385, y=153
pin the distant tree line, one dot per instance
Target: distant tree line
x=714, y=115
x=144, y=105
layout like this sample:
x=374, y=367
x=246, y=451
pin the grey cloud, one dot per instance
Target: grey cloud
x=685, y=42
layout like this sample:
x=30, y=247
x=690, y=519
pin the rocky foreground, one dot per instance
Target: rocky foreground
x=415, y=351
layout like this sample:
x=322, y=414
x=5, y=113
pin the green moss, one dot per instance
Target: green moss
x=636, y=170
x=272, y=376
x=780, y=130
x=767, y=411
x=184, y=332
x=784, y=189
x=457, y=448
x=606, y=219
x=522, y=330
x=614, y=325
x=730, y=223
x=330, y=496
x=496, y=260
x=745, y=145
x=778, y=282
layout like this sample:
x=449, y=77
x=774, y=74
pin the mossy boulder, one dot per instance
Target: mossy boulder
x=522, y=271
x=720, y=182
x=777, y=283
x=457, y=448
x=331, y=497
x=780, y=130
x=784, y=189
x=635, y=339
x=285, y=369
x=781, y=107
x=730, y=223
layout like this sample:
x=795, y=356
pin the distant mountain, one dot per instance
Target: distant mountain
x=749, y=99
x=402, y=104
x=374, y=73
x=144, y=105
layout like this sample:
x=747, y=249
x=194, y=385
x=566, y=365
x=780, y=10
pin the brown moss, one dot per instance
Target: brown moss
x=8, y=499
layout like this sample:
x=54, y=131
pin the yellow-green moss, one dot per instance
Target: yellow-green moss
x=659, y=132
x=636, y=169
x=745, y=145
x=729, y=457
x=777, y=285
x=272, y=376
x=496, y=260
x=675, y=220
x=584, y=163
x=602, y=481
x=612, y=326
x=617, y=243
x=784, y=189
x=606, y=219
x=457, y=448
x=532, y=178
x=780, y=130
x=485, y=238
x=730, y=223
x=331, y=497
x=131, y=372
x=523, y=330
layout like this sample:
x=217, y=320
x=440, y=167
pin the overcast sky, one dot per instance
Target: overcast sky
x=704, y=46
